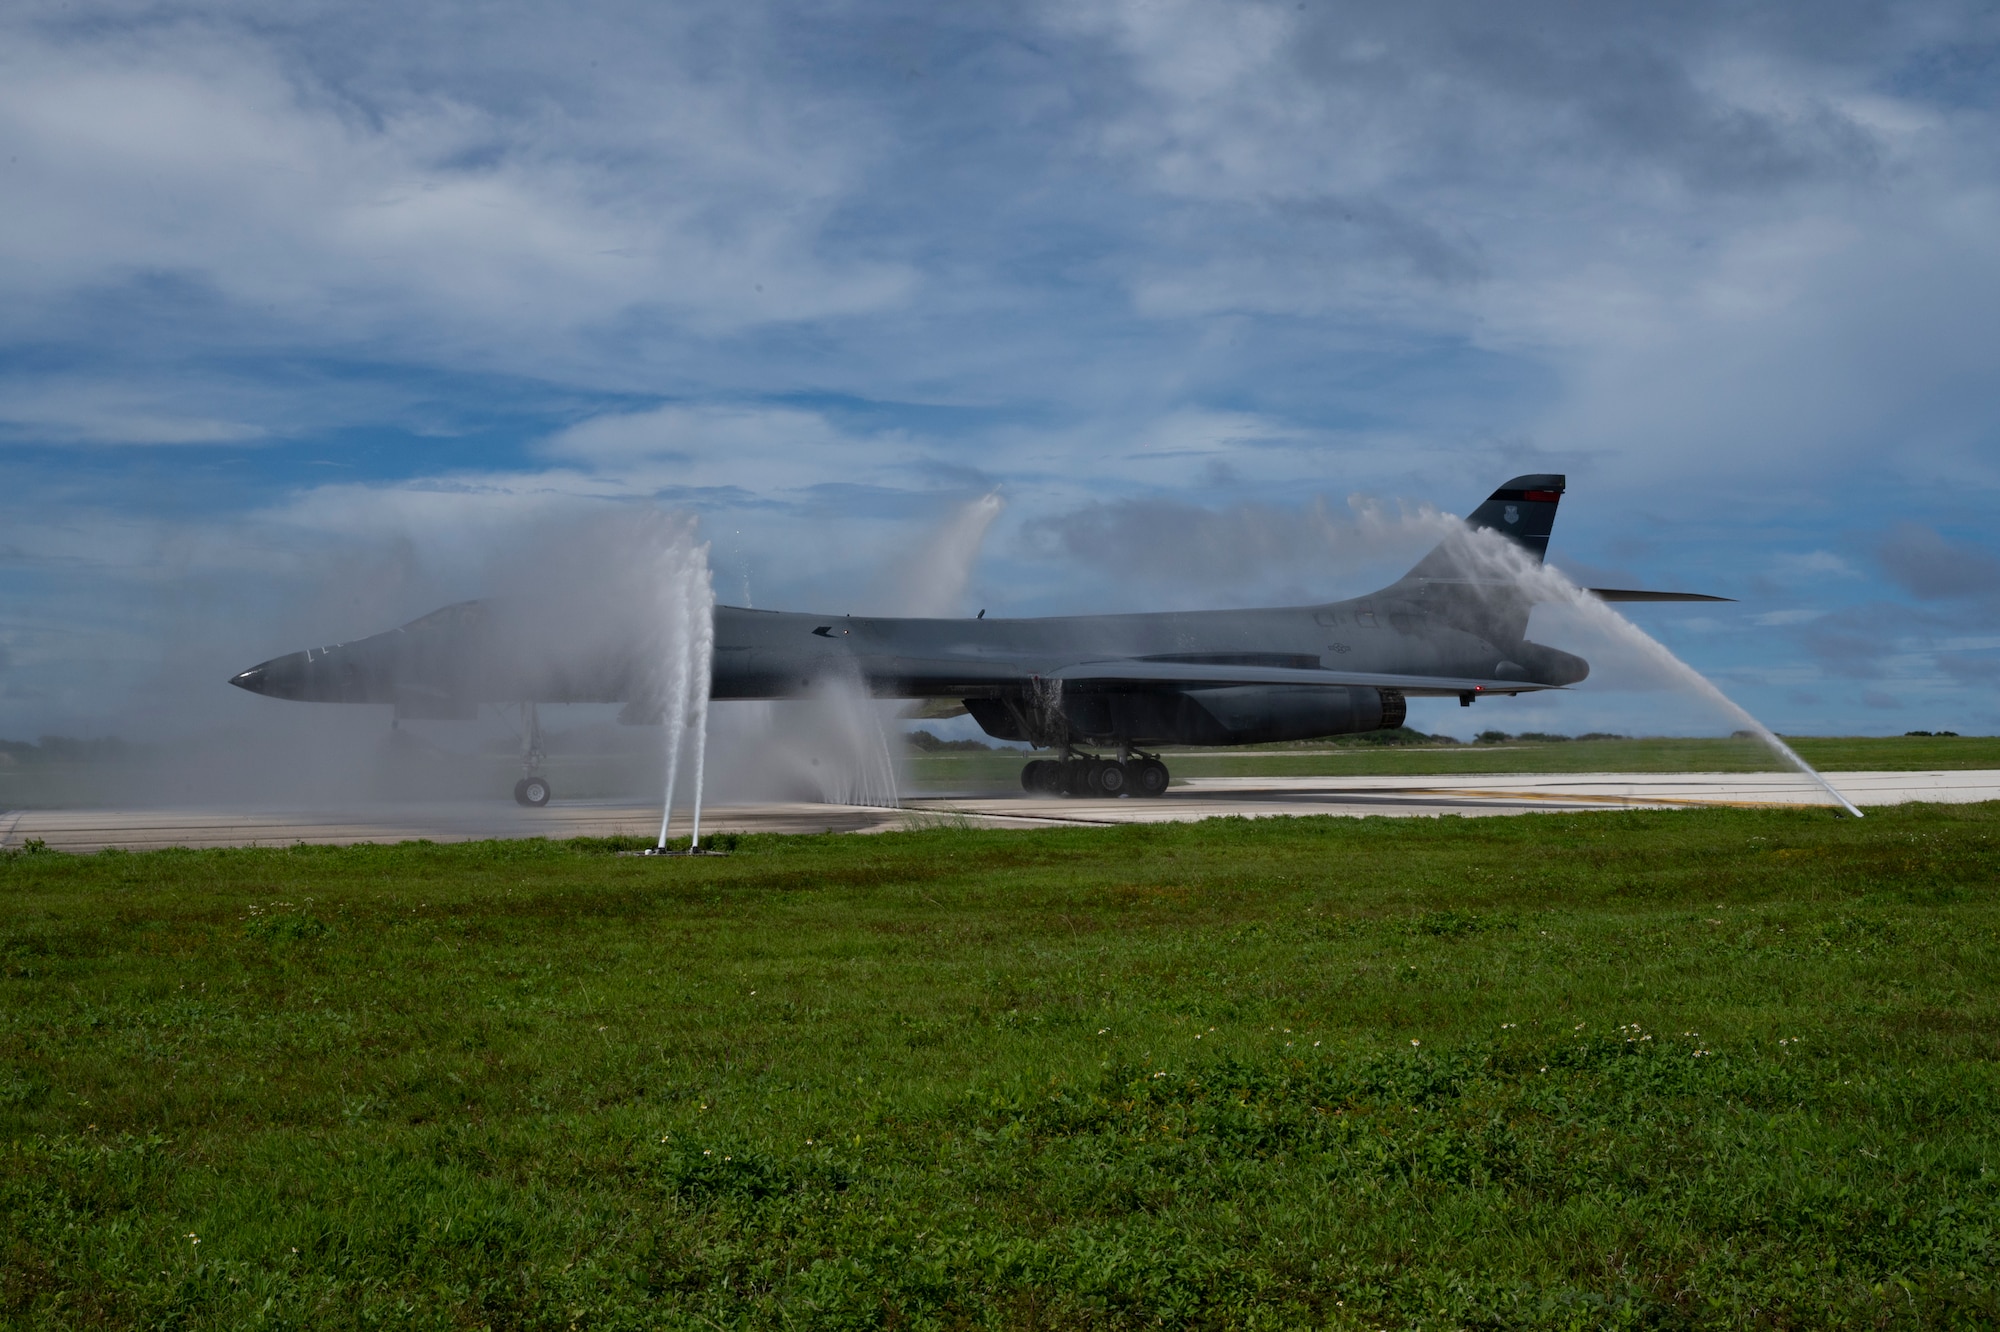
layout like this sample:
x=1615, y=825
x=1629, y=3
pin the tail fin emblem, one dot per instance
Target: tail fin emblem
x=1513, y=513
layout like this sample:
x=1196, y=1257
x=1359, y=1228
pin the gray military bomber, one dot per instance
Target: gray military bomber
x=1451, y=627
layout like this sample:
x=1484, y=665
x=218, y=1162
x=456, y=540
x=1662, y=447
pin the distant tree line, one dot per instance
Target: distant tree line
x=931, y=744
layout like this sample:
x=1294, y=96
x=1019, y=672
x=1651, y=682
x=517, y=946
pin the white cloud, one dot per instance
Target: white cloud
x=1735, y=250
x=1812, y=564
x=52, y=409
x=198, y=151
x=759, y=449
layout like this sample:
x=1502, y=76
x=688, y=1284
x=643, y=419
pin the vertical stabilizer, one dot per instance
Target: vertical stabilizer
x=1450, y=581
x=1523, y=511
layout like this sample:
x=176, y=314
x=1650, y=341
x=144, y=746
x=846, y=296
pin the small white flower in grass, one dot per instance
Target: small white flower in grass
x=1103, y=1030
x=1416, y=1042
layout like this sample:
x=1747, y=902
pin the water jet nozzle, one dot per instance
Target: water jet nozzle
x=663, y=851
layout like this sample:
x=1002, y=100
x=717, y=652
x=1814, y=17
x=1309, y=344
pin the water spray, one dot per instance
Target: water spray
x=1596, y=609
x=1507, y=565
x=838, y=745
x=933, y=582
x=852, y=730
x=701, y=629
x=684, y=657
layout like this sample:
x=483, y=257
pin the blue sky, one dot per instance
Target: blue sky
x=308, y=315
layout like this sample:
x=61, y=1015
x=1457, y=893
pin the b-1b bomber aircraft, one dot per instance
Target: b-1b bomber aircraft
x=1123, y=685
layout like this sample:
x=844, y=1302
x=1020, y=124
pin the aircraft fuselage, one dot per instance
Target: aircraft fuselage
x=1179, y=677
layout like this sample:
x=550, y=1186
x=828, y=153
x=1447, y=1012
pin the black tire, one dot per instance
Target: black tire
x=1149, y=778
x=1111, y=780
x=1035, y=777
x=532, y=791
x=1075, y=778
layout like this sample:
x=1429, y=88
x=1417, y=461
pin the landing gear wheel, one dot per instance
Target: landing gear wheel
x=1075, y=777
x=1109, y=779
x=1039, y=777
x=532, y=791
x=1149, y=777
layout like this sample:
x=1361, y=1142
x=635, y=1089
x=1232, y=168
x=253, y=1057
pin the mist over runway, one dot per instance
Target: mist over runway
x=1483, y=795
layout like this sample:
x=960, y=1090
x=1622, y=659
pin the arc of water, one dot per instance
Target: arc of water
x=1707, y=688
x=1770, y=738
x=1664, y=657
x=1547, y=584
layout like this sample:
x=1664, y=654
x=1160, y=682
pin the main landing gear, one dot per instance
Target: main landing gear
x=1082, y=775
x=532, y=790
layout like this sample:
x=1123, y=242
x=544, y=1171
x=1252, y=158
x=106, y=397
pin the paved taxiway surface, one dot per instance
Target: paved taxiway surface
x=1201, y=798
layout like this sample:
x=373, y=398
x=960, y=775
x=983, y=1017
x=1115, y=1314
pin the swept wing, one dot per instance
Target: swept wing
x=1139, y=673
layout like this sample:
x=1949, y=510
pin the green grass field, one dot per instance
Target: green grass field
x=1713, y=1068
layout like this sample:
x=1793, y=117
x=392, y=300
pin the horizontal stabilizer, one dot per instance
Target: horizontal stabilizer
x=1130, y=674
x=1628, y=594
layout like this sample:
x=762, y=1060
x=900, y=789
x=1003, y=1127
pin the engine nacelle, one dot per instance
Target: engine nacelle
x=1219, y=715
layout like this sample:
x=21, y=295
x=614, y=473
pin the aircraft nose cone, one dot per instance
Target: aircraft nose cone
x=289, y=676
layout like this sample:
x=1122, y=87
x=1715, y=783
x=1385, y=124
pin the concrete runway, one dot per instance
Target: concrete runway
x=1201, y=798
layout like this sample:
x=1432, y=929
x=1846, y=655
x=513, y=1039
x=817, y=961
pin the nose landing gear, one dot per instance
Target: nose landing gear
x=533, y=790
x=1082, y=775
